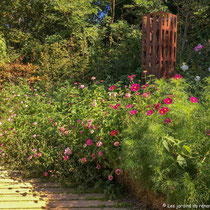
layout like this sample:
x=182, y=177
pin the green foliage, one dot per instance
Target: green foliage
x=3, y=49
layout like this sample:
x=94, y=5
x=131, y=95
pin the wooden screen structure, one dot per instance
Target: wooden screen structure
x=159, y=38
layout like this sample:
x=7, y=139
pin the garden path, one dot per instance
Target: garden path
x=17, y=192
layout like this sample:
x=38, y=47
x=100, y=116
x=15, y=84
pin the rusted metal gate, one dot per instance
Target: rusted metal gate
x=159, y=38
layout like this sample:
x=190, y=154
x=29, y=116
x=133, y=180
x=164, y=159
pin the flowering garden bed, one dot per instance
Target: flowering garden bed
x=156, y=132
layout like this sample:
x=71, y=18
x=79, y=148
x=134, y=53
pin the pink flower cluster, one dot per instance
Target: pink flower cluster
x=135, y=87
x=198, y=47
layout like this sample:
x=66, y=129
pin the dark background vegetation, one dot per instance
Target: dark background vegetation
x=76, y=39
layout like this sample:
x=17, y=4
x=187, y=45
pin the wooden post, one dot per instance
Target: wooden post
x=159, y=37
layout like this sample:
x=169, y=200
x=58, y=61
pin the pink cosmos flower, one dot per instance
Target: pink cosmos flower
x=177, y=76
x=93, y=156
x=55, y=124
x=193, y=99
x=117, y=171
x=161, y=111
x=66, y=132
x=35, y=123
x=82, y=86
x=157, y=106
x=29, y=157
x=85, y=145
x=62, y=129
x=165, y=109
x=83, y=160
x=167, y=100
x=3, y=154
x=45, y=173
x=81, y=132
x=116, y=106
x=34, y=136
x=131, y=77
x=114, y=132
x=112, y=87
x=116, y=143
x=51, y=119
x=145, y=95
x=100, y=153
x=34, y=150
x=135, y=87
x=67, y=151
x=98, y=166
x=99, y=143
x=89, y=142
x=127, y=95
x=93, y=78
x=39, y=154
x=110, y=177
x=1, y=150
x=167, y=120
x=133, y=112
x=129, y=106
x=66, y=157
x=150, y=112
x=198, y=47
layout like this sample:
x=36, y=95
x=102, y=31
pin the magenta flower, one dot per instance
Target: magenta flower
x=129, y=106
x=100, y=153
x=198, y=47
x=83, y=160
x=161, y=111
x=135, y=87
x=110, y=177
x=167, y=100
x=45, y=173
x=112, y=87
x=99, y=143
x=66, y=157
x=98, y=166
x=93, y=156
x=193, y=99
x=131, y=77
x=157, y=106
x=114, y=132
x=150, y=112
x=167, y=120
x=177, y=76
x=117, y=171
x=89, y=142
x=165, y=109
x=133, y=112
x=51, y=119
x=116, y=106
x=116, y=143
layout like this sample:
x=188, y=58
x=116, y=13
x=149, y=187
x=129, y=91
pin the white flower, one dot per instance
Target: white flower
x=0, y=123
x=82, y=86
x=91, y=131
x=197, y=78
x=93, y=78
x=184, y=67
x=209, y=68
x=26, y=105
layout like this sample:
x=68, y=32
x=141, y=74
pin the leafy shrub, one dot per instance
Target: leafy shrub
x=92, y=133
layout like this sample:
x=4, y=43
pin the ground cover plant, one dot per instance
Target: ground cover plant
x=94, y=133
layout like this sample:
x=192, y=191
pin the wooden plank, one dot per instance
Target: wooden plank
x=51, y=197
x=79, y=203
x=4, y=185
x=35, y=189
x=23, y=205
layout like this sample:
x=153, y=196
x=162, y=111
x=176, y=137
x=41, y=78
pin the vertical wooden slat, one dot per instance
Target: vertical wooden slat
x=155, y=63
x=154, y=43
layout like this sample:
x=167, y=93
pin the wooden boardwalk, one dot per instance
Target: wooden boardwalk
x=17, y=192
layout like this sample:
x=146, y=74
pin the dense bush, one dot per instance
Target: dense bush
x=156, y=132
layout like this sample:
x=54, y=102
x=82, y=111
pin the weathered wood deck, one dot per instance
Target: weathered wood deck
x=20, y=193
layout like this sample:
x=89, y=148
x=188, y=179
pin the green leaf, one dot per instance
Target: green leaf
x=187, y=148
x=165, y=144
x=181, y=161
